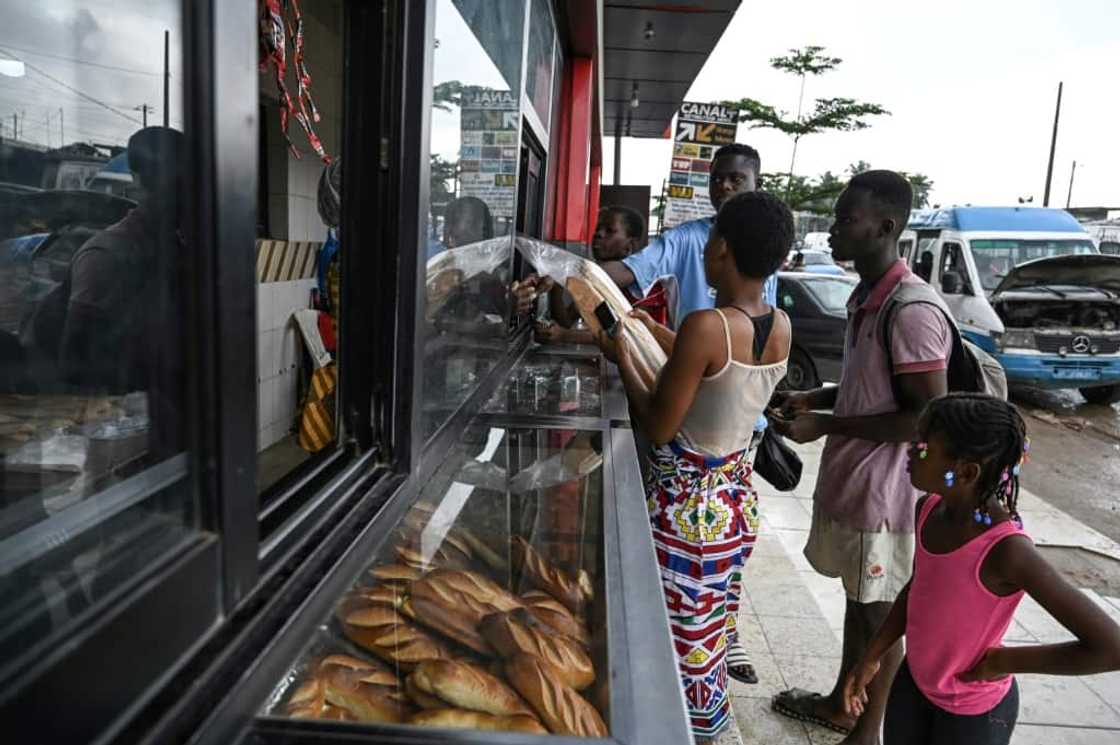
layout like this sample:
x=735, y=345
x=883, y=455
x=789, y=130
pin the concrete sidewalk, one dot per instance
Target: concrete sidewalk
x=792, y=619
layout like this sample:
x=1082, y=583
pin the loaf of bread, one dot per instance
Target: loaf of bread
x=574, y=593
x=447, y=556
x=514, y=633
x=467, y=686
x=420, y=698
x=404, y=644
x=375, y=673
x=463, y=719
x=365, y=701
x=549, y=612
x=372, y=616
x=449, y=621
x=561, y=709
x=396, y=574
x=467, y=592
x=593, y=287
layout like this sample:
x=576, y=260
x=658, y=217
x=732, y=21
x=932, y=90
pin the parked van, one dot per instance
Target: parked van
x=1028, y=285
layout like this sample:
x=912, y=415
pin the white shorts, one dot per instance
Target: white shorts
x=873, y=565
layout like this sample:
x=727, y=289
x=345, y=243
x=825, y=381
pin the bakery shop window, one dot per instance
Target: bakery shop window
x=299, y=246
x=93, y=301
x=484, y=609
x=474, y=151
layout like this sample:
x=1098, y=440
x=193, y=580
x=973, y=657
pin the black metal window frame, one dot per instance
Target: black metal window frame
x=171, y=625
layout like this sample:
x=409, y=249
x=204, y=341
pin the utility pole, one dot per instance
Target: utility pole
x=143, y=109
x=61, y=129
x=618, y=152
x=1053, y=143
x=166, y=74
x=1069, y=194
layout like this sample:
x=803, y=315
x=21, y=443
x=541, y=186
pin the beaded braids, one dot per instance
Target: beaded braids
x=991, y=432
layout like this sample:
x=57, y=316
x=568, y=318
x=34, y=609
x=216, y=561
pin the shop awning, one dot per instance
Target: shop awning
x=684, y=32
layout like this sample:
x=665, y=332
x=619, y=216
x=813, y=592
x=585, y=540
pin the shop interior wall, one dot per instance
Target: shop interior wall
x=294, y=232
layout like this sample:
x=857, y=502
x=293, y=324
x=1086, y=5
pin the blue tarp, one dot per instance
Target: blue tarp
x=975, y=219
x=118, y=164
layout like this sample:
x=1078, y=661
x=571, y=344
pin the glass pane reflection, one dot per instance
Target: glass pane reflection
x=474, y=156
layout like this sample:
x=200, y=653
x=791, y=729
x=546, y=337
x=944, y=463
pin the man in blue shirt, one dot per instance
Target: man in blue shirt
x=679, y=252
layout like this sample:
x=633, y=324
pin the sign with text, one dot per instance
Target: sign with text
x=701, y=129
x=489, y=151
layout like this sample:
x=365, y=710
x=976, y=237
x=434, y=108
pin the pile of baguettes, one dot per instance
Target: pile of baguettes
x=453, y=648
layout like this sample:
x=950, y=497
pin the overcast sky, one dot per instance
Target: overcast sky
x=109, y=50
x=971, y=86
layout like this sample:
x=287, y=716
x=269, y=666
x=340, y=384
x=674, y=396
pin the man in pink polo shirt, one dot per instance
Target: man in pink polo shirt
x=863, y=506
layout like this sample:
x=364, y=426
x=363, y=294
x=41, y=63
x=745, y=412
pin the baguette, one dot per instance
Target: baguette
x=561, y=709
x=449, y=621
x=476, y=720
x=514, y=633
x=372, y=616
x=367, y=702
x=573, y=593
x=549, y=612
x=421, y=699
x=370, y=671
x=467, y=592
x=396, y=574
x=467, y=686
x=404, y=645
x=446, y=556
x=592, y=287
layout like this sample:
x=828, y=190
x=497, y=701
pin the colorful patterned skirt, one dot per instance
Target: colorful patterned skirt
x=704, y=515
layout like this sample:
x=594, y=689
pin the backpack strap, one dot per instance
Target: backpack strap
x=910, y=294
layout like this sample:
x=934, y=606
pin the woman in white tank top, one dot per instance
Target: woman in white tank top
x=723, y=367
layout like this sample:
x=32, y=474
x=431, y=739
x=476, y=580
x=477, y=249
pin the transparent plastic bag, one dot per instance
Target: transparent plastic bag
x=562, y=265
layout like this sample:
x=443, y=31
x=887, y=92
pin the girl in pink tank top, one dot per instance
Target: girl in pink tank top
x=972, y=564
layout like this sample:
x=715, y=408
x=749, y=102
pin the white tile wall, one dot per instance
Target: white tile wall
x=279, y=357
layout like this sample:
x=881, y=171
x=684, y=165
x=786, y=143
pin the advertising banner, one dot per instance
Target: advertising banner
x=701, y=129
x=489, y=153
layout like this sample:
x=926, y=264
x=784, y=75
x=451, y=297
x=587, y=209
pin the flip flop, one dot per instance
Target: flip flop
x=739, y=664
x=796, y=703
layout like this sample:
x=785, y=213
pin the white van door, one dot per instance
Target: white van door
x=960, y=288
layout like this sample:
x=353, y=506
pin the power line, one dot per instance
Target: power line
x=86, y=63
x=74, y=90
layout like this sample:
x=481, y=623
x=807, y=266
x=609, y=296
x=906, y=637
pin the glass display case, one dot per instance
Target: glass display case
x=484, y=608
x=547, y=383
x=510, y=594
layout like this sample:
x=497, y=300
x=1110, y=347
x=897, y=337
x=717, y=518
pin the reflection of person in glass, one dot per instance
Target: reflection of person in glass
x=120, y=333
x=467, y=220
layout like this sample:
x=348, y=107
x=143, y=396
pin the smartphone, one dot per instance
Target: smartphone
x=607, y=319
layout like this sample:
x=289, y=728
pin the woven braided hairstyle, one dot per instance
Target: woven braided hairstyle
x=987, y=430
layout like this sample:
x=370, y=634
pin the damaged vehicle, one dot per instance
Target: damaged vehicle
x=1029, y=286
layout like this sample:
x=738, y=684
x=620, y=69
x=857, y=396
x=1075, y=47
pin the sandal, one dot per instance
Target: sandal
x=798, y=704
x=739, y=664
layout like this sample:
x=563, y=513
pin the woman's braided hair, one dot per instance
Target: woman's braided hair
x=988, y=430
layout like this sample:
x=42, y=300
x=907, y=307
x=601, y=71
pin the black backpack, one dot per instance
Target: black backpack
x=971, y=369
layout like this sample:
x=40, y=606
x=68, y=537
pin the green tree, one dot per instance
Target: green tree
x=922, y=186
x=827, y=114
x=443, y=177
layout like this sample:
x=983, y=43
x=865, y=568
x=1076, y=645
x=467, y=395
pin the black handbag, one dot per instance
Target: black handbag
x=776, y=462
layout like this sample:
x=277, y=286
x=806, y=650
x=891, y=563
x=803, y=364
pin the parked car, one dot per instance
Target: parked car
x=814, y=262
x=818, y=311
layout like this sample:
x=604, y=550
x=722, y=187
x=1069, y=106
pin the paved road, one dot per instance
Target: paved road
x=1075, y=456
